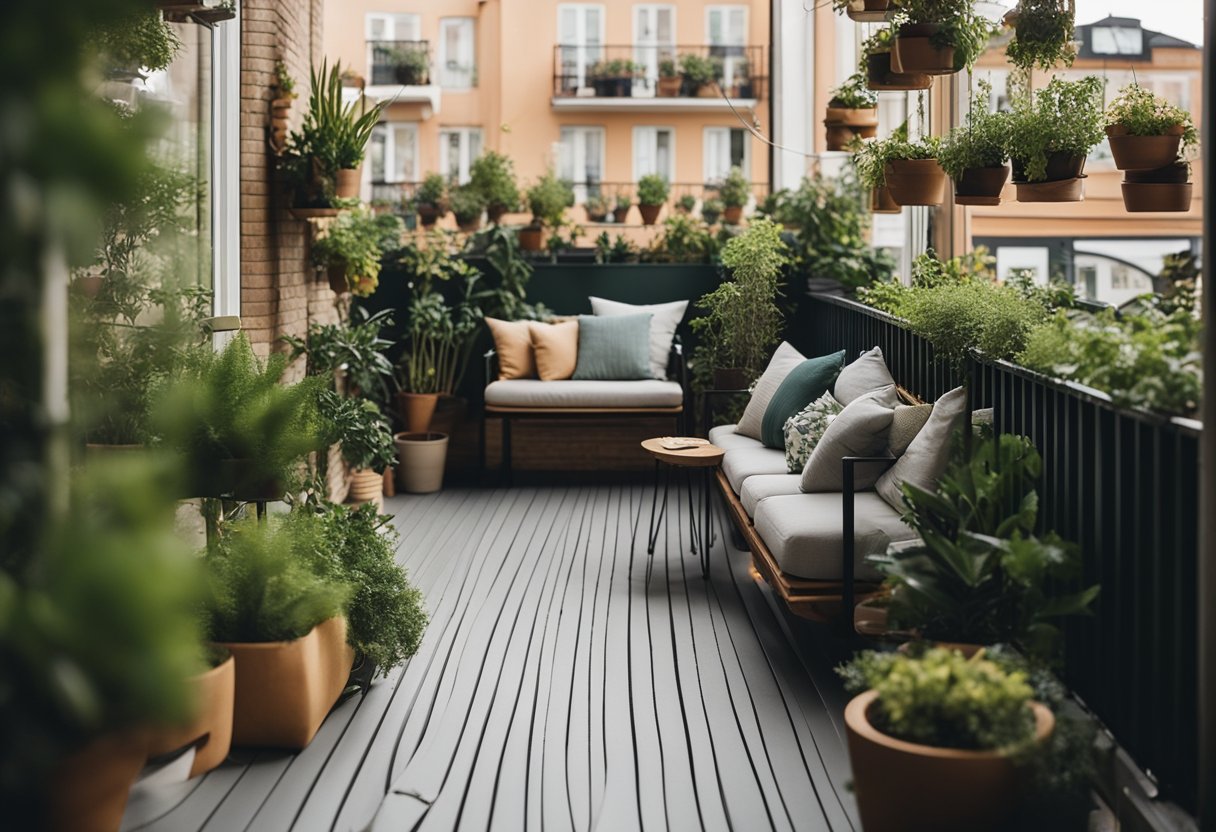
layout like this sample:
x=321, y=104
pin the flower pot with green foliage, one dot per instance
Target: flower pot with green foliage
x=365, y=438
x=711, y=210
x=1050, y=136
x=852, y=112
x=493, y=176
x=686, y=204
x=876, y=61
x=621, y=207
x=467, y=204
x=1165, y=189
x=669, y=83
x=613, y=78
x=210, y=728
x=653, y=191
x=348, y=182
x=1145, y=131
x=939, y=37
x=700, y=75
x=734, y=192
x=352, y=247
x=1043, y=32
x=423, y=456
x=911, y=172
x=431, y=199
x=937, y=738
x=974, y=156
x=596, y=209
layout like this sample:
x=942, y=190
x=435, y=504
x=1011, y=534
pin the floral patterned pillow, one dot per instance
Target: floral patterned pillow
x=805, y=428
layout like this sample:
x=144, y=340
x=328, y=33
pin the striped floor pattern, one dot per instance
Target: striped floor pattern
x=566, y=681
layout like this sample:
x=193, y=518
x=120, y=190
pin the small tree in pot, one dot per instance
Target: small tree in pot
x=1050, y=137
x=430, y=199
x=852, y=112
x=367, y=442
x=493, y=174
x=670, y=83
x=735, y=191
x=548, y=200
x=701, y=75
x=653, y=191
x=468, y=203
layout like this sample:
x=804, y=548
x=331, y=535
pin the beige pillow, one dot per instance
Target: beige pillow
x=513, y=343
x=928, y=455
x=784, y=359
x=556, y=349
x=908, y=421
x=865, y=375
x=861, y=429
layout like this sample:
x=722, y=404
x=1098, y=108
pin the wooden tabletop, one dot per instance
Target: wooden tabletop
x=702, y=456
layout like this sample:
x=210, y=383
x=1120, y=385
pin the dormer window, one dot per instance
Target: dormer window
x=1117, y=40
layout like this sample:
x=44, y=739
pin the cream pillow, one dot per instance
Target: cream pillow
x=555, y=347
x=861, y=429
x=865, y=375
x=923, y=464
x=784, y=359
x=513, y=343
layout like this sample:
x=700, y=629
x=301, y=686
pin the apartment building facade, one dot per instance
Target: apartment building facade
x=577, y=87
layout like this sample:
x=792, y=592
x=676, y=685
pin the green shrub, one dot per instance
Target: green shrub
x=735, y=189
x=956, y=318
x=366, y=440
x=549, y=198
x=1064, y=117
x=142, y=40
x=353, y=347
x=685, y=240
x=1043, y=35
x=944, y=700
x=493, y=175
x=698, y=71
x=961, y=26
x=653, y=189
x=356, y=242
x=432, y=191
x=686, y=203
x=467, y=203
x=711, y=209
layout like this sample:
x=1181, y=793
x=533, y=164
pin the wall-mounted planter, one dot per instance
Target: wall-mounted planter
x=913, y=50
x=881, y=201
x=337, y=280
x=981, y=186
x=880, y=77
x=915, y=181
x=1143, y=152
x=1165, y=189
x=845, y=123
x=211, y=728
x=280, y=112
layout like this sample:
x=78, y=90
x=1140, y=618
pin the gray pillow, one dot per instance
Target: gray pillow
x=928, y=455
x=865, y=375
x=784, y=359
x=861, y=429
x=908, y=421
x=667, y=317
x=615, y=348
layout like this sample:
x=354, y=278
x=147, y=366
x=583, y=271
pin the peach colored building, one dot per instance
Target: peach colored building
x=522, y=77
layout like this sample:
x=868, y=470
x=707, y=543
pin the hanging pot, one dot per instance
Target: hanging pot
x=915, y=181
x=881, y=77
x=913, y=50
x=732, y=214
x=416, y=410
x=532, y=238
x=1059, y=166
x=337, y=279
x=348, y=183
x=211, y=728
x=1165, y=189
x=365, y=485
x=423, y=456
x=868, y=11
x=650, y=213
x=1143, y=152
x=981, y=186
x=843, y=123
x=1053, y=190
x=881, y=201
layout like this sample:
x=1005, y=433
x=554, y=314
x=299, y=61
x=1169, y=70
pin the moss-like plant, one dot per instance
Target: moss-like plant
x=653, y=189
x=493, y=175
x=1064, y=117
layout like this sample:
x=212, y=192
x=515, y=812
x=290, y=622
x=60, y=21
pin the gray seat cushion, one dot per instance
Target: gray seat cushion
x=530, y=392
x=741, y=463
x=804, y=534
x=724, y=437
x=763, y=486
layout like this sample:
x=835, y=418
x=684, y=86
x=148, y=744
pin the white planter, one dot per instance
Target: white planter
x=422, y=457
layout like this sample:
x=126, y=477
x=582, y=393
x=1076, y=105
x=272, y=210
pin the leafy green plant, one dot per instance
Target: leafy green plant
x=356, y=242
x=653, y=189
x=467, y=204
x=1140, y=112
x=1064, y=117
x=618, y=250
x=353, y=348
x=735, y=190
x=945, y=700
x=334, y=132
x=615, y=68
x=432, y=191
x=956, y=318
x=684, y=240
x=711, y=209
x=548, y=199
x=870, y=158
x=623, y=201
x=961, y=26
x=978, y=574
x=356, y=547
x=980, y=143
x=493, y=175
x=284, y=81
x=698, y=72
x=667, y=68
x=1043, y=35
x=356, y=424
x=139, y=40
x=876, y=44
x=596, y=208
x=686, y=203
x=854, y=94
x=505, y=294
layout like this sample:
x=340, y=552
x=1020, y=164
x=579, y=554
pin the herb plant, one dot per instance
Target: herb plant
x=1140, y=112
x=548, y=200
x=735, y=189
x=1043, y=35
x=698, y=71
x=653, y=189
x=854, y=94
x=711, y=209
x=1064, y=117
x=960, y=26
x=493, y=175
x=686, y=203
x=980, y=143
x=684, y=240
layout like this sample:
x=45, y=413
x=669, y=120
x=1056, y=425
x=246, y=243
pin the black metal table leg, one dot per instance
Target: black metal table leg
x=655, y=525
x=706, y=520
x=693, y=528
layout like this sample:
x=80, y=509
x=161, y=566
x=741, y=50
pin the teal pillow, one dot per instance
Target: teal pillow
x=613, y=347
x=803, y=385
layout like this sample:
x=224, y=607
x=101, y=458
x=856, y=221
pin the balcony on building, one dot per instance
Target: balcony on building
x=642, y=78
x=400, y=71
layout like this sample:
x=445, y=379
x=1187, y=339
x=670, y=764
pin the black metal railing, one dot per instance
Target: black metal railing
x=1124, y=485
x=650, y=71
x=406, y=62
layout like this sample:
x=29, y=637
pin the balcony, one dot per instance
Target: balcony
x=400, y=71
x=667, y=78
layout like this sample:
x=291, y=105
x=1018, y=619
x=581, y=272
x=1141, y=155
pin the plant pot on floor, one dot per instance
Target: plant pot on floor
x=1143, y=152
x=284, y=689
x=210, y=730
x=365, y=485
x=650, y=213
x=422, y=459
x=416, y=410
x=89, y=789
x=915, y=181
x=348, y=182
x=1165, y=189
x=881, y=77
x=913, y=51
x=531, y=238
x=881, y=201
x=981, y=186
x=732, y=214
x=944, y=789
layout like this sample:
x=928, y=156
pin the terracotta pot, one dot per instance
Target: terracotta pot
x=1144, y=152
x=981, y=186
x=1060, y=166
x=943, y=789
x=621, y=213
x=423, y=457
x=1178, y=173
x=495, y=212
x=469, y=226
x=840, y=136
x=867, y=11
x=733, y=214
x=650, y=213
x=88, y=285
x=348, y=183
x=916, y=181
x=1056, y=190
x=852, y=116
x=89, y=789
x=337, y=280
x=669, y=87
x=211, y=728
x=365, y=485
x=708, y=91
x=881, y=202
x=731, y=378
x=1139, y=197
x=416, y=410
x=913, y=50
x=531, y=238
x=880, y=76
x=389, y=481
x=284, y=689
x=428, y=214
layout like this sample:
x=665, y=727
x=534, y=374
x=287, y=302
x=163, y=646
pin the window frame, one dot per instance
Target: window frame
x=226, y=171
x=659, y=50
x=445, y=74
x=584, y=57
x=390, y=129
x=584, y=187
x=654, y=129
x=706, y=156
x=466, y=157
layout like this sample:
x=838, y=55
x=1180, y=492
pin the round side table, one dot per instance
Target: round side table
x=700, y=459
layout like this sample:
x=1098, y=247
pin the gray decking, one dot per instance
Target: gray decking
x=560, y=686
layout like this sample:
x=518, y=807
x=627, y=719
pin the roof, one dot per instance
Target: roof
x=1151, y=39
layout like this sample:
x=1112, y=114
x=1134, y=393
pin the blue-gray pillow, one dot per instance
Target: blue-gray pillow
x=613, y=347
x=801, y=386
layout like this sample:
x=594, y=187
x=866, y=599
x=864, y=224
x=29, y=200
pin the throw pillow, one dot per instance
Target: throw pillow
x=513, y=344
x=923, y=464
x=865, y=375
x=666, y=318
x=615, y=348
x=555, y=347
x=805, y=428
x=803, y=384
x=786, y=358
x=908, y=421
x=859, y=430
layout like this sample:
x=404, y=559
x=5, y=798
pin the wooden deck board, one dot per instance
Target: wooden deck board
x=567, y=680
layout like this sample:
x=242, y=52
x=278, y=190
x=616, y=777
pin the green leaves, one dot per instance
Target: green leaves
x=1064, y=117
x=1043, y=35
x=854, y=94
x=356, y=423
x=653, y=189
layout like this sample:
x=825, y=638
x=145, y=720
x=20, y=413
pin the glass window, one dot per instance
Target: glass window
x=458, y=147
x=654, y=152
x=725, y=148
x=457, y=53
x=580, y=35
x=654, y=40
x=388, y=37
x=1117, y=40
x=393, y=152
x=580, y=159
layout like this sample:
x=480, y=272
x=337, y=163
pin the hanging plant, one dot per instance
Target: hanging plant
x=1050, y=137
x=876, y=64
x=1043, y=34
x=1149, y=138
x=938, y=37
x=852, y=112
x=974, y=155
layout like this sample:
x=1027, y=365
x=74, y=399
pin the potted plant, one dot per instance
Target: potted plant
x=282, y=621
x=686, y=204
x=870, y=162
x=700, y=75
x=912, y=174
x=351, y=248
x=548, y=200
x=742, y=323
x=652, y=195
x=596, y=208
x=974, y=155
x=467, y=204
x=1050, y=136
x=351, y=352
x=410, y=66
x=863, y=11
x=493, y=175
x=876, y=63
x=1042, y=34
x=852, y=112
x=613, y=78
x=1149, y=138
x=430, y=199
x=621, y=206
x=938, y=37
x=937, y=738
x=209, y=729
x=670, y=83
x=711, y=210
x=280, y=107
x=734, y=191
x=366, y=441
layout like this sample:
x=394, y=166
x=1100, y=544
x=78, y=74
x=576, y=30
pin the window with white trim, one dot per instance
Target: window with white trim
x=457, y=53
x=726, y=148
x=393, y=152
x=726, y=34
x=580, y=159
x=654, y=151
x=580, y=38
x=387, y=34
x=458, y=148
x=654, y=40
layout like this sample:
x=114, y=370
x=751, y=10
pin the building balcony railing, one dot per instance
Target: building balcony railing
x=404, y=62
x=667, y=75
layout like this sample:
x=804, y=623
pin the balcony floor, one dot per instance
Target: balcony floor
x=568, y=681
